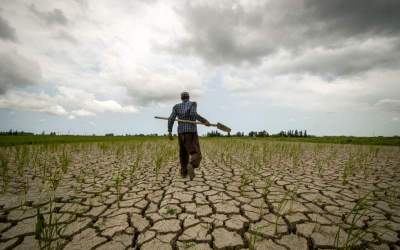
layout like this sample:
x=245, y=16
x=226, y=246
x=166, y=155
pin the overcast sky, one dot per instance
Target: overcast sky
x=331, y=67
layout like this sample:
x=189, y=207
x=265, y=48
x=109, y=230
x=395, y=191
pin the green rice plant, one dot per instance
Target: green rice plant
x=44, y=169
x=4, y=168
x=361, y=209
x=319, y=166
x=35, y=160
x=65, y=160
x=94, y=174
x=348, y=168
x=138, y=159
x=55, y=178
x=158, y=161
x=104, y=147
x=255, y=235
x=170, y=211
x=268, y=184
x=80, y=179
x=22, y=157
x=288, y=197
x=264, y=154
x=245, y=180
x=292, y=194
x=25, y=188
x=282, y=204
x=170, y=151
x=120, y=151
x=188, y=244
x=296, y=159
x=48, y=232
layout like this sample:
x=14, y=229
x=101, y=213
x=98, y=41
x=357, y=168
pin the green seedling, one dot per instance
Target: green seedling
x=288, y=197
x=355, y=234
x=65, y=160
x=348, y=169
x=319, y=166
x=281, y=206
x=158, y=161
x=268, y=184
x=48, y=232
x=245, y=181
x=4, y=168
x=136, y=163
x=255, y=235
x=170, y=211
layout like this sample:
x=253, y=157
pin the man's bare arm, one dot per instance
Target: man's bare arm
x=171, y=121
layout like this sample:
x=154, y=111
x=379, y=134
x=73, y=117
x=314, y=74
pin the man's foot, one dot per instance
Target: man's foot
x=183, y=173
x=190, y=170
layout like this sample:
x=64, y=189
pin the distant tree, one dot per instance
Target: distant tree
x=296, y=133
x=301, y=133
x=305, y=133
x=262, y=134
x=214, y=134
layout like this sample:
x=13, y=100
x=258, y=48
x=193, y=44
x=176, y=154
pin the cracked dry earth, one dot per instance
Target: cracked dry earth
x=234, y=202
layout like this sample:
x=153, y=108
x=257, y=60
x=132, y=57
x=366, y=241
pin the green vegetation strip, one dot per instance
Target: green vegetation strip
x=384, y=141
x=48, y=139
x=6, y=140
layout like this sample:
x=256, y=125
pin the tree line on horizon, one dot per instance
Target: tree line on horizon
x=263, y=133
x=214, y=133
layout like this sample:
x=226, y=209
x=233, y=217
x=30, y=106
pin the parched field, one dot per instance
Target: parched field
x=252, y=194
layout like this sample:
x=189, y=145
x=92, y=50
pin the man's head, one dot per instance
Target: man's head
x=185, y=96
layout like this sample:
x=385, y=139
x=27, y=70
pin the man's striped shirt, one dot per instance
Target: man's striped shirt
x=185, y=110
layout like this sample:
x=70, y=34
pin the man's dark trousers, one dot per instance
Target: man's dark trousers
x=189, y=147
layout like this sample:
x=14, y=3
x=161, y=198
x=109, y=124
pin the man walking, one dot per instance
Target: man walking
x=189, y=146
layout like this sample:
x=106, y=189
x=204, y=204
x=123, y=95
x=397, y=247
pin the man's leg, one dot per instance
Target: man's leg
x=183, y=155
x=195, y=154
x=192, y=146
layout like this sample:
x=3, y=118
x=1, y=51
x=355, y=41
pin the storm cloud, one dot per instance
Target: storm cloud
x=235, y=33
x=6, y=31
x=56, y=16
x=17, y=71
x=278, y=59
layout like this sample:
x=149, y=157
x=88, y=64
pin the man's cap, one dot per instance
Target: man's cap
x=185, y=95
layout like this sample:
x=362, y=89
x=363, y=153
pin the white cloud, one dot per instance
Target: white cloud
x=33, y=102
x=78, y=101
x=87, y=103
x=82, y=112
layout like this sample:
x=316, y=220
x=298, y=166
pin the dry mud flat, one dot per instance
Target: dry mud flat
x=245, y=195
